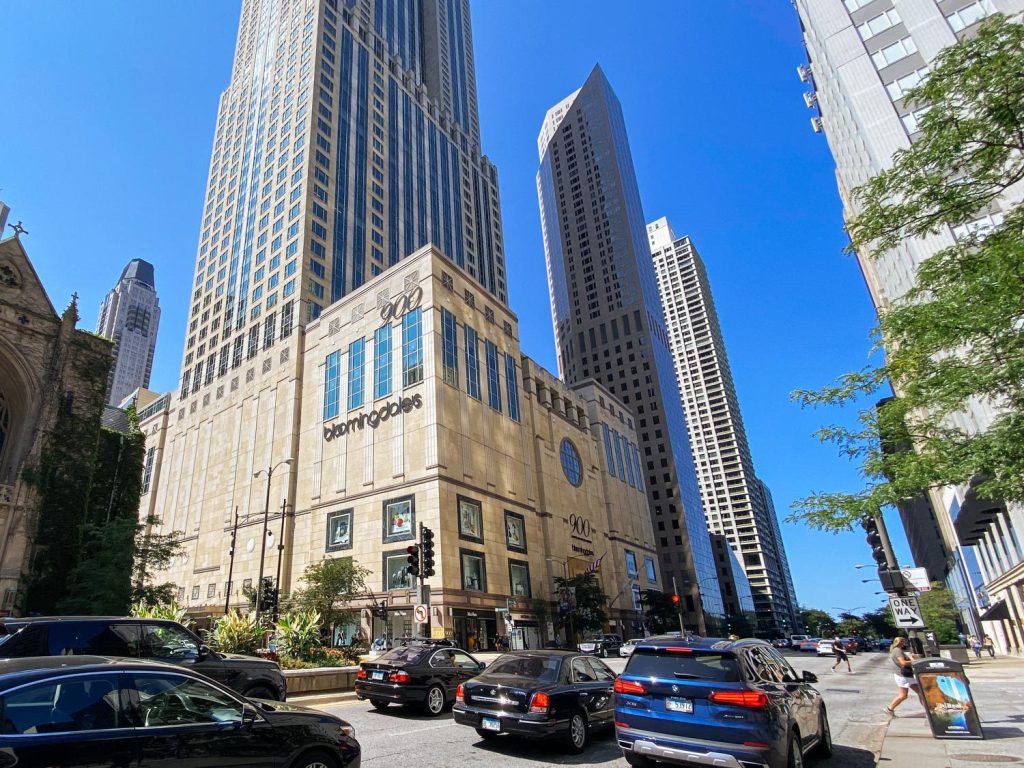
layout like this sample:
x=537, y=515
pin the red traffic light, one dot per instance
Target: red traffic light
x=412, y=549
x=675, y=599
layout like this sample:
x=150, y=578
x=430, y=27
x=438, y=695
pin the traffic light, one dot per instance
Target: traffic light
x=675, y=600
x=874, y=539
x=380, y=610
x=268, y=594
x=426, y=553
x=413, y=568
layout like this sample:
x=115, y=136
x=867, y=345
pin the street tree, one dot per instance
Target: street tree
x=660, y=612
x=589, y=612
x=153, y=553
x=850, y=625
x=330, y=585
x=818, y=623
x=880, y=622
x=956, y=336
x=940, y=614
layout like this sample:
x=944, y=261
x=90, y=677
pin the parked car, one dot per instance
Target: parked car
x=782, y=642
x=422, y=673
x=601, y=645
x=537, y=694
x=78, y=711
x=627, y=647
x=714, y=702
x=132, y=638
x=851, y=645
x=795, y=640
x=825, y=648
x=809, y=645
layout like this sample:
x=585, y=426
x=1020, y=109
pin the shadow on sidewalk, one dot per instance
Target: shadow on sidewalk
x=993, y=732
x=849, y=757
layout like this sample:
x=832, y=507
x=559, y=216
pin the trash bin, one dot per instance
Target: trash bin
x=946, y=692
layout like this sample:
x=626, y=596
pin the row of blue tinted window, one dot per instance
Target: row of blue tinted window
x=492, y=362
x=412, y=365
x=623, y=458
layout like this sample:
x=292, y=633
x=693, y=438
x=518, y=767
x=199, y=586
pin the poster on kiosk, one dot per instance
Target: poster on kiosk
x=947, y=696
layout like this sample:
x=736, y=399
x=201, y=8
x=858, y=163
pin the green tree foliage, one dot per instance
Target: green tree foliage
x=659, y=611
x=153, y=552
x=956, y=336
x=299, y=633
x=330, y=585
x=880, y=623
x=850, y=625
x=590, y=610
x=938, y=608
x=818, y=622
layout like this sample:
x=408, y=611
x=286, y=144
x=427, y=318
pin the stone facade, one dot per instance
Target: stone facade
x=48, y=370
x=513, y=480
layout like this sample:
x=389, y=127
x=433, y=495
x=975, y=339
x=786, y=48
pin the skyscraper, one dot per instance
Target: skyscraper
x=734, y=500
x=346, y=139
x=609, y=324
x=130, y=315
x=864, y=57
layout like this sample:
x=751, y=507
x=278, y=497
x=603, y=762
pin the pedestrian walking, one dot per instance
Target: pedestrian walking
x=904, y=675
x=989, y=646
x=962, y=638
x=976, y=646
x=840, y=651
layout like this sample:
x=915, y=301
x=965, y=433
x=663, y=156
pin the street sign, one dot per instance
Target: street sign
x=906, y=612
x=917, y=579
x=420, y=614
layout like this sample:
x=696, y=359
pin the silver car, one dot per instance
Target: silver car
x=626, y=649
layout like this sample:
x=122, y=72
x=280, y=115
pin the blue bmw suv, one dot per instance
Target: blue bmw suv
x=704, y=701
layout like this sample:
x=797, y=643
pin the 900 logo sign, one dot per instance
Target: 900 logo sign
x=407, y=302
x=580, y=526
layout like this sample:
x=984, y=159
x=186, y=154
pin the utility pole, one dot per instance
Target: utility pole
x=231, y=564
x=280, y=557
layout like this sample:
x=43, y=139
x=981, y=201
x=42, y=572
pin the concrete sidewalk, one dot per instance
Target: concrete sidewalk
x=998, y=689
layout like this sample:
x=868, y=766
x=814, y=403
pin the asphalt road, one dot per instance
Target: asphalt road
x=403, y=736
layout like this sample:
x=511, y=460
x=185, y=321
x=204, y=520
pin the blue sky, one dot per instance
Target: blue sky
x=108, y=116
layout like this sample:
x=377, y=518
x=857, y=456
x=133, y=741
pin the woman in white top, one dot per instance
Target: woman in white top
x=904, y=675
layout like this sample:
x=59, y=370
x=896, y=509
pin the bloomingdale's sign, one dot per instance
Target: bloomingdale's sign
x=373, y=419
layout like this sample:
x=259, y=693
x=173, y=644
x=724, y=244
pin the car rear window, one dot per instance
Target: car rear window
x=716, y=667
x=541, y=668
x=405, y=655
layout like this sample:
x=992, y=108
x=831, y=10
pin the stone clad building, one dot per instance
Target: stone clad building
x=419, y=409
x=51, y=376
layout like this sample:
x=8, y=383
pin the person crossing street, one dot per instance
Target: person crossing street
x=840, y=652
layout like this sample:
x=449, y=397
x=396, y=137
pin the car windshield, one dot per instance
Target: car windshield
x=405, y=655
x=717, y=667
x=541, y=668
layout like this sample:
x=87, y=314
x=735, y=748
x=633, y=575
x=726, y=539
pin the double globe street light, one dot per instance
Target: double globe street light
x=269, y=472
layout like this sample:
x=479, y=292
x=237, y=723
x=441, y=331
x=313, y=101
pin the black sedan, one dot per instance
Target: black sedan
x=537, y=694
x=421, y=673
x=78, y=711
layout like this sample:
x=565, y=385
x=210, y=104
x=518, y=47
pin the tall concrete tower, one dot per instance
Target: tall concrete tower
x=130, y=315
x=734, y=503
x=609, y=324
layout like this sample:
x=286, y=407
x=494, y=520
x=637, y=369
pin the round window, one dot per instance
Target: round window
x=571, y=464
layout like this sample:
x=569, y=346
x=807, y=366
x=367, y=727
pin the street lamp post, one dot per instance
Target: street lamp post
x=266, y=519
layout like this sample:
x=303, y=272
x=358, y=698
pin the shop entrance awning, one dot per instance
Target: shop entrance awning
x=996, y=612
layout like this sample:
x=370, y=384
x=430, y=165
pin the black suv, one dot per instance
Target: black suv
x=157, y=639
x=601, y=645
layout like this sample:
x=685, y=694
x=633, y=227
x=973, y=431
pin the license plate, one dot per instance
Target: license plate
x=378, y=675
x=679, y=705
x=490, y=724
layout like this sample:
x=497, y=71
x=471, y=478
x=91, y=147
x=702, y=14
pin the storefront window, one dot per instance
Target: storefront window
x=471, y=523
x=519, y=578
x=339, y=530
x=515, y=532
x=332, y=378
x=474, y=575
x=399, y=519
x=396, y=575
x=450, y=348
x=493, y=383
x=472, y=363
x=382, y=362
x=356, y=367
x=412, y=347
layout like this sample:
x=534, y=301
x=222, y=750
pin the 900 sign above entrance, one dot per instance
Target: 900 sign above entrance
x=407, y=302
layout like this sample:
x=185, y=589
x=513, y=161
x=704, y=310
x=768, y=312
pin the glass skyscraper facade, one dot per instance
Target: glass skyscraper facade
x=609, y=324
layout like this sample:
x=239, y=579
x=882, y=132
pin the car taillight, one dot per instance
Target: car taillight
x=540, y=702
x=752, y=699
x=400, y=677
x=361, y=674
x=679, y=650
x=460, y=694
x=628, y=686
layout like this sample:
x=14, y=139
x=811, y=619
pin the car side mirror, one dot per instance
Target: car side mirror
x=480, y=667
x=204, y=652
x=809, y=677
x=249, y=716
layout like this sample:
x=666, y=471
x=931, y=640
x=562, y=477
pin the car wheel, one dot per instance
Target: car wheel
x=604, y=653
x=637, y=761
x=824, y=746
x=315, y=760
x=434, y=702
x=795, y=755
x=576, y=736
x=379, y=705
x=485, y=735
x=261, y=692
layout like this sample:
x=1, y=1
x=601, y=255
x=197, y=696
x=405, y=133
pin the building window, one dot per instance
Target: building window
x=890, y=54
x=471, y=520
x=631, y=564
x=449, y=348
x=399, y=519
x=515, y=532
x=195, y=592
x=339, y=530
x=619, y=464
x=211, y=590
x=512, y=385
x=254, y=342
x=652, y=574
x=493, y=383
x=629, y=463
x=636, y=463
x=396, y=573
x=964, y=17
x=609, y=454
x=474, y=571
x=147, y=474
x=519, y=578
x=571, y=464
x=412, y=347
x=878, y=24
x=332, y=382
x=382, y=362
x=472, y=363
x=899, y=87
x=356, y=369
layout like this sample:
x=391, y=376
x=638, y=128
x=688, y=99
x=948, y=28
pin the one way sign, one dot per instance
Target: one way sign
x=906, y=612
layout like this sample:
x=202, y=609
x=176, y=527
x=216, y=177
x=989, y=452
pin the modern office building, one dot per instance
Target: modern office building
x=737, y=596
x=609, y=324
x=864, y=55
x=130, y=317
x=734, y=502
x=419, y=409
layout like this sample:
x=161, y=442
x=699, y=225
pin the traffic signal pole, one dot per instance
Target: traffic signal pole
x=679, y=607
